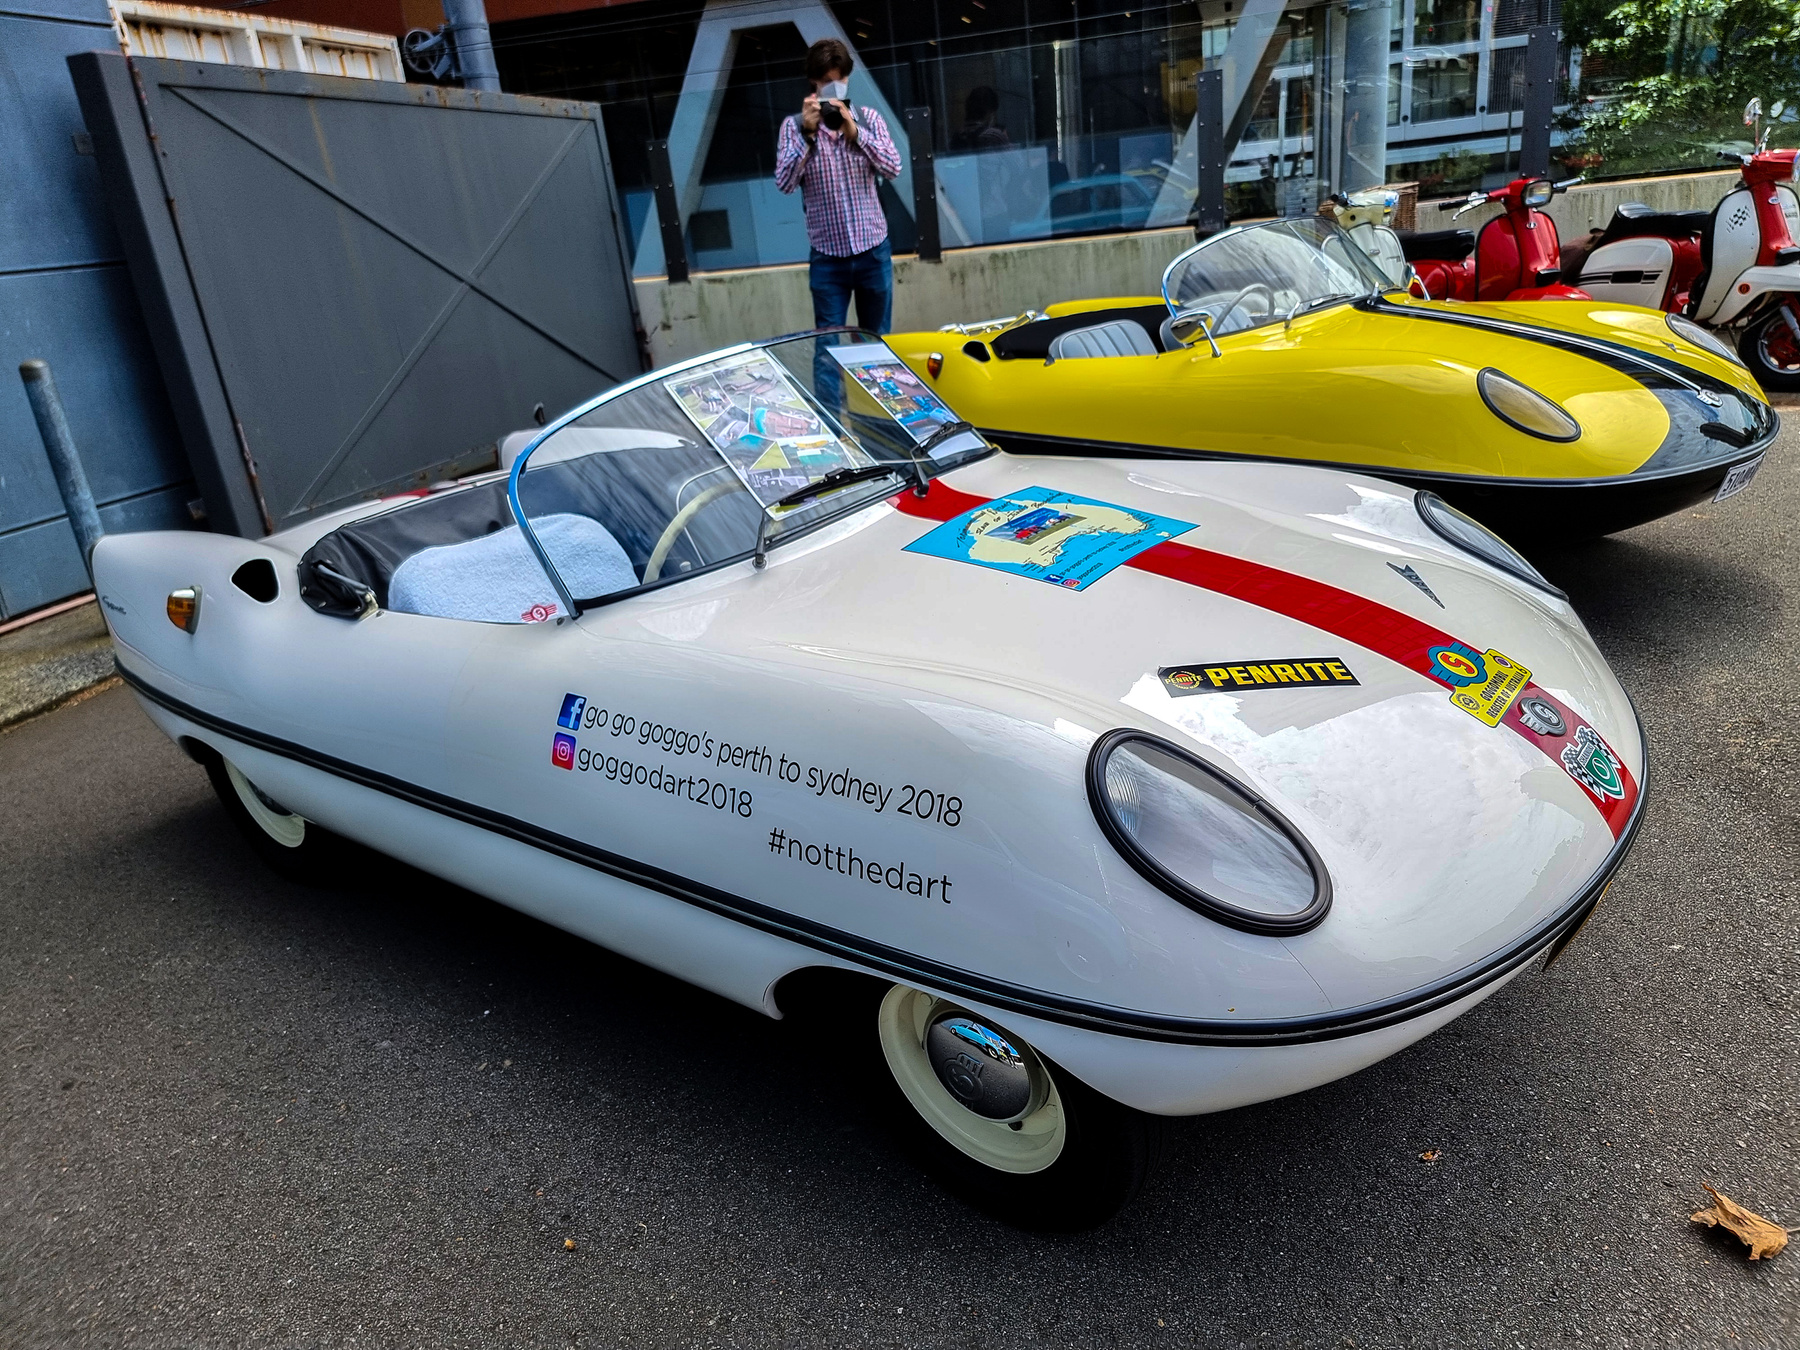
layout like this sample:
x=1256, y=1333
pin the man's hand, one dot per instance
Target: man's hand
x=850, y=131
x=809, y=116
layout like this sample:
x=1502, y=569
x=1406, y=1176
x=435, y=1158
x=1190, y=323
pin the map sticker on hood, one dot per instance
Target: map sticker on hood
x=1049, y=536
x=762, y=425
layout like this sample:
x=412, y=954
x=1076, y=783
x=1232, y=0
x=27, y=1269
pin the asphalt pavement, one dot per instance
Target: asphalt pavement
x=241, y=1113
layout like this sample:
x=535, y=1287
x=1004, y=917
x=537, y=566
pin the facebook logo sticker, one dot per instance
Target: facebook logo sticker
x=562, y=751
x=570, y=717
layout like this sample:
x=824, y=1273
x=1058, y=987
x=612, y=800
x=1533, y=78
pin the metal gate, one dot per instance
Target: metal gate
x=356, y=287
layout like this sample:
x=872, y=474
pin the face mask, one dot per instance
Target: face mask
x=837, y=89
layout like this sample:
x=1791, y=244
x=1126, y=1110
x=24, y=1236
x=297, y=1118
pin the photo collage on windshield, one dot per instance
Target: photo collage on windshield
x=751, y=413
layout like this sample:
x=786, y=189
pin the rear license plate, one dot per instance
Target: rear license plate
x=1738, y=479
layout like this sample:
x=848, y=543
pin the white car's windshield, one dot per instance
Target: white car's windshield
x=728, y=455
x=1268, y=273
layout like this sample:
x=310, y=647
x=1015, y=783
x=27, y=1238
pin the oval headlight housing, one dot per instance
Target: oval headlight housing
x=1471, y=536
x=1522, y=407
x=1538, y=193
x=1689, y=331
x=1208, y=842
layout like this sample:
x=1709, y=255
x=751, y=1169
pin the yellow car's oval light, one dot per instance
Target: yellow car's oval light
x=1524, y=408
x=1692, y=332
x=184, y=608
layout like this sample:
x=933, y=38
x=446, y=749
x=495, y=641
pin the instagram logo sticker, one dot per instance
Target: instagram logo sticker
x=562, y=751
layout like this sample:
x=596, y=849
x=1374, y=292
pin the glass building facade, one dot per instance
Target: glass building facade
x=1048, y=117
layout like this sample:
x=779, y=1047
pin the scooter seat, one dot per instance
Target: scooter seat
x=1436, y=245
x=1634, y=220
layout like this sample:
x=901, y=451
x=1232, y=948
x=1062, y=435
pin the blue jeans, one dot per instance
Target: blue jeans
x=868, y=275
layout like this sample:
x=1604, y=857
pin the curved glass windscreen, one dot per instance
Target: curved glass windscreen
x=727, y=456
x=1269, y=273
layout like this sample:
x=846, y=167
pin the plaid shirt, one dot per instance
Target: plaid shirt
x=843, y=208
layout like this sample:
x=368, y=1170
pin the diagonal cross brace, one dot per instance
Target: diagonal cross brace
x=331, y=190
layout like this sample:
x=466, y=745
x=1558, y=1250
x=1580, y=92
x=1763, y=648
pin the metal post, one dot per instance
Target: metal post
x=1540, y=102
x=1209, y=158
x=668, y=213
x=473, y=44
x=925, y=212
x=1364, y=126
x=71, y=479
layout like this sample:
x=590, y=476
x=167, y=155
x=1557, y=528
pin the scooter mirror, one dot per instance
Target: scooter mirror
x=1777, y=109
x=1752, y=111
x=1538, y=193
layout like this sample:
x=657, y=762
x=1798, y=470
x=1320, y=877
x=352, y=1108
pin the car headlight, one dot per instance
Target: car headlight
x=1205, y=840
x=1694, y=333
x=1524, y=408
x=1471, y=536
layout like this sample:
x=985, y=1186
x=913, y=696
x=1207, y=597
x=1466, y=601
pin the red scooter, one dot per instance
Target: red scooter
x=1734, y=269
x=1516, y=256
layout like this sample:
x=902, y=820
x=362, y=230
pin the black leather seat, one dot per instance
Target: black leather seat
x=1436, y=245
x=1634, y=220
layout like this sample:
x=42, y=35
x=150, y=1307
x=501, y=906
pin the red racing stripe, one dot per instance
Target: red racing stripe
x=1354, y=618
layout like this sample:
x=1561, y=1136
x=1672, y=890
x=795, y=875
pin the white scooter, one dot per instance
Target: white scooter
x=1365, y=215
x=1735, y=268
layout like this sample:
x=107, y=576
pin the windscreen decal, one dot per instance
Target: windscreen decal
x=1518, y=703
x=1045, y=535
x=762, y=426
x=887, y=380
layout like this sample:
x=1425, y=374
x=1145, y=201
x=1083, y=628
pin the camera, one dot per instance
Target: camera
x=830, y=116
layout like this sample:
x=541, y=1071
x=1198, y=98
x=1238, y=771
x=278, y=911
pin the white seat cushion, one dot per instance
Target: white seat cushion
x=1121, y=337
x=497, y=578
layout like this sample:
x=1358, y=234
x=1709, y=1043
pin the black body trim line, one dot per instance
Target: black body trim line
x=904, y=966
x=1177, y=887
x=1030, y=443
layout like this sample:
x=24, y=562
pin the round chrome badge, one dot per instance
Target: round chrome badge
x=979, y=1067
x=1541, y=716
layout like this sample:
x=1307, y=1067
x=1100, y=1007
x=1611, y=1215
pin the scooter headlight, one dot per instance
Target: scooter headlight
x=1204, y=839
x=1690, y=331
x=1524, y=408
x=1471, y=536
x=1538, y=193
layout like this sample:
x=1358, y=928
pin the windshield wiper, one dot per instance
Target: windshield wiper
x=831, y=482
x=945, y=433
x=837, y=478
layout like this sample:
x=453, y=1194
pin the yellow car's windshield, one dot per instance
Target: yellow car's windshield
x=1262, y=274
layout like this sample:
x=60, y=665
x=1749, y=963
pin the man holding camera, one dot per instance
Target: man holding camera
x=837, y=155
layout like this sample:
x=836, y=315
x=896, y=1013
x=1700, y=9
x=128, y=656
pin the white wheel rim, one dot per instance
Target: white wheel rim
x=284, y=827
x=1032, y=1145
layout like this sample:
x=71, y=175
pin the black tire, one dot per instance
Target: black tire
x=319, y=857
x=1772, y=353
x=1108, y=1152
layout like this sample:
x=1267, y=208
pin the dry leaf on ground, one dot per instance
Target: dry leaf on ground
x=1757, y=1233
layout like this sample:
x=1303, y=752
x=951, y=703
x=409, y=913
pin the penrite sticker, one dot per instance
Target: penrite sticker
x=1482, y=684
x=1591, y=762
x=570, y=716
x=1292, y=671
x=562, y=751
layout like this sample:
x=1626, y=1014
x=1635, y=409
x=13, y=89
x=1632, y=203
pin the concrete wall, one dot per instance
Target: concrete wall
x=716, y=309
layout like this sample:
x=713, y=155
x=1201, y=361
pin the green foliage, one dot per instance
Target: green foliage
x=1673, y=77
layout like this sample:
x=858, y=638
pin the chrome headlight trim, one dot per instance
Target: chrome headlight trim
x=1470, y=536
x=1689, y=331
x=1514, y=402
x=1123, y=839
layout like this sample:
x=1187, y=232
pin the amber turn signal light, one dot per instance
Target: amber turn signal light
x=184, y=608
x=934, y=363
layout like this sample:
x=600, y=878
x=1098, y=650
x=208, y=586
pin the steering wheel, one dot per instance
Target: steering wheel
x=660, y=554
x=1237, y=300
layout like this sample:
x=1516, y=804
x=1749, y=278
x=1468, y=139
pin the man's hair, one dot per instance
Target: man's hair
x=827, y=55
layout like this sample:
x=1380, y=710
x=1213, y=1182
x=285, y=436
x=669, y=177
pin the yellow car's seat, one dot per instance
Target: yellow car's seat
x=1121, y=337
